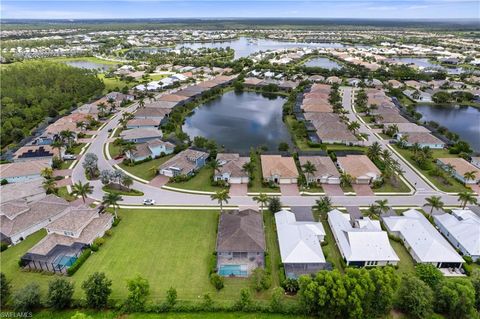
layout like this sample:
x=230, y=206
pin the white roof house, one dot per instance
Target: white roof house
x=423, y=241
x=299, y=243
x=462, y=229
x=366, y=244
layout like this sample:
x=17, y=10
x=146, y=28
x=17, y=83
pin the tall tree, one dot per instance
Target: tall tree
x=323, y=205
x=435, y=202
x=467, y=198
x=262, y=199
x=221, y=197
x=309, y=169
x=97, y=289
x=79, y=189
x=111, y=200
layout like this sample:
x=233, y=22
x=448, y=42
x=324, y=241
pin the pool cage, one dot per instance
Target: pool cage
x=57, y=260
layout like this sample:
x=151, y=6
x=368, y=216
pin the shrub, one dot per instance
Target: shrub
x=468, y=259
x=207, y=301
x=60, y=292
x=171, y=297
x=245, y=301
x=4, y=289
x=217, y=281
x=79, y=262
x=108, y=232
x=3, y=246
x=276, y=304
x=116, y=221
x=139, y=289
x=3, y=181
x=27, y=298
x=261, y=280
x=414, y=297
x=99, y=241
x=429, y=274
x=274, y=204
x=290, y=285
x=97, y=288
x=212, y=264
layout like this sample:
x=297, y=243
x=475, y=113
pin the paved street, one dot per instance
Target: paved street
x=166, y=197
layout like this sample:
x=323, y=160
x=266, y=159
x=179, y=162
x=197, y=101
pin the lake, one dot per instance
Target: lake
x=245, y=46
x=425, y=63
x=463, y=120
x=325, y=63
x=239, y=121
x=88, y=65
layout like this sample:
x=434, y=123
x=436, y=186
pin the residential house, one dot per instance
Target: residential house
x=424, y=243
x=360, y=167
x=330, y=129
x=140, y=135
x=20, y=218
x=459, y=168
x=418, y=96
x=325, y=170
x=462, y=229
x=279, y=169
x=36, y=152
x=153, y=113
x=299, y=243
x=333, y=80
x=475, y=161
x=18, y=172
x=364, y=244
x=231, y=168
x=424, y=139
x=187, y=162
x=150, y=149
x=143, y=123
x=30, y=190
x=240, y=243
x=395, y=84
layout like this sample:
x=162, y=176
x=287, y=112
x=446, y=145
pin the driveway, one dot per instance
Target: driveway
x=64, y=182
x=362, y=190
x=159, y=181
x=62, y=172
x=332, y=189
x=289, y=190
x=238, y=190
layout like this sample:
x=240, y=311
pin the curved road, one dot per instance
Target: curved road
x=170, y=198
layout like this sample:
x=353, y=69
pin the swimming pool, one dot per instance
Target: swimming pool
x=233, y=270
x=65, y=261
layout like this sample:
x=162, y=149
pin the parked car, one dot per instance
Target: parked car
x=148, y=202
x=69, y=157
x=110, y=130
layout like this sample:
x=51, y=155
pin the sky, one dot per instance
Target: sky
x=376, y=9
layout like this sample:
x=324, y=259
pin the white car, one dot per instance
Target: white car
x=147, y=201
x=69, y=157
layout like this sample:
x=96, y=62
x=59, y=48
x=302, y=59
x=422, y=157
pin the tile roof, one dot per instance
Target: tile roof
x=358, y=166
x=323, y=164
x=25, y=168
x=278, y=165
x=232, y=164
x=460, y=166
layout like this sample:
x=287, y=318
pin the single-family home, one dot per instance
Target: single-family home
x=418, y=96
x=231, y=168
x=360, y=167
x=424, y=243
x=187, y=162
x=153, y=113
x=140, y=135
x=37, y=152
x=330, y=129
x=66, y=238
x=424, y=139
x=475, y=161
x=30, y=190
x=299, y=243
x=364, y=244
x=395, y=84
x=462, y=229
x=142, y=123
x=150, y=149
x=240, y=243
x=325, y=170
x=333, y=80
x=20, y=218
x=279, y=169
x=460, y=168
x=23, y=171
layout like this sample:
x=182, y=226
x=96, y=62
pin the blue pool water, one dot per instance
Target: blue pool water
x=235, y=270
x=65, y=261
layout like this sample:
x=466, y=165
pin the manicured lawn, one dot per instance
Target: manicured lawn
x=200, y=182
x=144, y=170
x=340, y=147
x=313, y=189
x=130, y=192
x=63, y=192
x=455, y=185
x=113, y=83
x=272, y=246
x=257, y=186
x=331, y=252
x=157, y=77
x=113, y=149
x=406, y=264
x=78, y=148
x=388, y=187
x=66, y=164
x=301, y=143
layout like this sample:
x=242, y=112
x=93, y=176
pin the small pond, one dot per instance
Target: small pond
x=325, y=63
x=463, y=120
x=88, y=65
x=239, y=121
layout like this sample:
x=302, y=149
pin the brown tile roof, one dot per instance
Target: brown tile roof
x=26, y=168
x=323, y=164
x=135, y=133
x=161, y=104
x=358, y=165
x=251, y=81
x=422, y=138
x=392, y=117
x=461, y=166
x=232, y=164
x=241, y=232
x=278, y=165
x=151, y=112
x=143, y=122
x=329, y=127
x=74, y=220
x=29, y=188
x=172, y=98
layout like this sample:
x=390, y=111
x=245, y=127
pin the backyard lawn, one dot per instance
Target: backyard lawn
x=331, y=252
x=144, y=170
x=200, y=182
x=455, y=185
x=406, y=264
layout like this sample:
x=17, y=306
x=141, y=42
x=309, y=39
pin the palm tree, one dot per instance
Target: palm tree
x=111, y=200
x=434, y=202
x=79, y=189
x=470, y=176
x=154, y=170
x=249, y=167
x=467, y=198
x=49, y=186
x=215, y=165
x=373, y=211
x=374, y=151
x=402, y=141
x=58, y=144
x=67, y=137
x=262, y=199
x=222, y=197
x=323, y=206
x=101, y=109
x=128, y=148
x=354, y=126
x=346, y=179
x=309, y=169
x=141, y=102
x=47, y=173
x=382, y=205
x=416, y=148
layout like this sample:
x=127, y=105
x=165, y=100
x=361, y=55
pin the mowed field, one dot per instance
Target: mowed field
x=170, y=248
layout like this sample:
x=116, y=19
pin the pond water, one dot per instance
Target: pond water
x=244, y=46
x=426, y=63
x=325, y=63
x=239, y=121
x=88, y=65
x=463, y=120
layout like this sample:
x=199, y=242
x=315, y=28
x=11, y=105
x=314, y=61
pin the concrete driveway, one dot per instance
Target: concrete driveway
x=332, y=189
x=289, y=190
x=238, y=190
x=362, y=190
x=159, y=181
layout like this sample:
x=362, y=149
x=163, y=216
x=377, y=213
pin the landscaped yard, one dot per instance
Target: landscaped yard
x=63, y=192
x=271, y=240
x=256, y=182
x=388, y=187
x=114, y=83
x=331, y=252
x=144, y=170
x=405, y=264
x=455, y=185
x=200, y=182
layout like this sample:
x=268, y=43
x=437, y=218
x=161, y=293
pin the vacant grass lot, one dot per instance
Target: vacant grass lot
x=144, y=170
x=200, y=182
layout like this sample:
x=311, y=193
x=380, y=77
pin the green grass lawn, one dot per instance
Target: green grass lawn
x=66, y=164
x=115, y=82
x=331, y=252
x=312, y=189
x=130, y=192
x=144, y=170
x=83, y=59
x=77, y=148
x=63, y=192
x=157, y=77
x=406, y=264
x=272, y=246
x=340, y=147
x=301, y=143
x=455, y=186
x=200, y=182
x=388, y=187
x=256, y=182
x=114, y=150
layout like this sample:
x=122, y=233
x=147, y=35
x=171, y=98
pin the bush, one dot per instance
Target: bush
x=97, y=288
x=108, y=233
x=290, y=285
x=116, y=221
x=27, y=298
x=79, y=262
x=139, y=289
x=171, y=297
x=99, y=241
x=217, y=281
x=468, y=269
x=3, y=246
x=468, y=259
x=3, y=182
x=60, y=293
x=4, y=289
x=245, y=301
x=261, y=280
x=212, y=264
x=429, y=274
x=274, y=204
x=276, y=300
